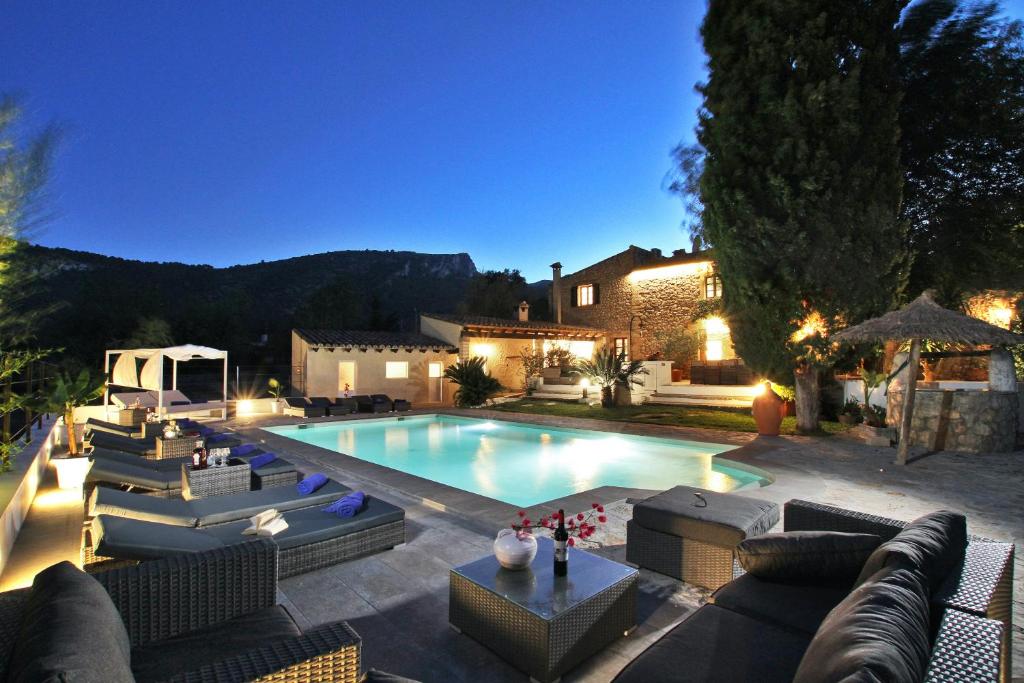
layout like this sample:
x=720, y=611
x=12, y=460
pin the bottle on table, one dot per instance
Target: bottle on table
x=561, y=539
x=196, y=457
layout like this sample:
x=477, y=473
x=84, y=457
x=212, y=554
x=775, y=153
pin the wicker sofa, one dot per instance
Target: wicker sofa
x=757, y=629
x=210, y=616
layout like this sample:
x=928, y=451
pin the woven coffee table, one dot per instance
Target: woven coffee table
x=541, y=624
x=214, y=481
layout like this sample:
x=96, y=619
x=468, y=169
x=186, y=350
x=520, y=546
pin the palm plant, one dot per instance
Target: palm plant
x=608, y=369
x=475, y=385
x=69, y=393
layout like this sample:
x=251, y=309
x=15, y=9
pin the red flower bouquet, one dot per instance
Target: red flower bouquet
x=580, y=527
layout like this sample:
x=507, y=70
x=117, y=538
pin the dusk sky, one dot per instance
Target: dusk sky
x=230, y=132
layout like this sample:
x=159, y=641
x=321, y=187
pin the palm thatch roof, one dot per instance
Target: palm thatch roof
x=924, y=319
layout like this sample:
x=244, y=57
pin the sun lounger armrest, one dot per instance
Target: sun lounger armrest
x=327, y=653
x=163, y=598
x=802, y=515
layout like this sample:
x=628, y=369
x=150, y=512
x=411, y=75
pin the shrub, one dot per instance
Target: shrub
x=475, y=385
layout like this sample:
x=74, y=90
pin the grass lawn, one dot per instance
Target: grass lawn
x=733, y=419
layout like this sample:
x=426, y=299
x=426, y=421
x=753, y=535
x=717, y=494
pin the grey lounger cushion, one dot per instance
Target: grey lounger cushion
x=93, y=423
x=167, y=464
x=725, y=521
x=70, y=631
x=224, y=640
x=716, y=644
x=123, y=443
x=798, y=606
x=132, y=539
x=236, y=506
x=311, y=525
x=117, y=472
x=207, y=511
x=116, y=503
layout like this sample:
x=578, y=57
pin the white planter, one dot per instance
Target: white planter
x=71, y=471
x=275, y=406
x=513, y=550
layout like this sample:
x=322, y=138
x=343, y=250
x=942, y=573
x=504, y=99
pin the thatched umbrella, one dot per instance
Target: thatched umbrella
x=924, y=319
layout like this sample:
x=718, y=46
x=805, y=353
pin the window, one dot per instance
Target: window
x=396, y=369
x=713, y=349
x=585, y=295
x=712, y=286
x=346, y=377
x=622, y=347
x=434, y=370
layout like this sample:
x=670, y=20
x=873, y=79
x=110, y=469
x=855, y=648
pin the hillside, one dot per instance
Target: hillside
x=104, y=299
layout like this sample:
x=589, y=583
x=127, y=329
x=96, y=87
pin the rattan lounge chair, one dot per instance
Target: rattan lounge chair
x=224, y=628
x=313, y=539
x=401, y=405
x=381, y=403
x=344, y=406
x=297, y=406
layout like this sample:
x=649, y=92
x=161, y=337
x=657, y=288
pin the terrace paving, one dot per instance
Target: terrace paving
x=401, y=596
x=398, y=600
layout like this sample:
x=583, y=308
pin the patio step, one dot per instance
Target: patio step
x=558, y=395
x=716, y=401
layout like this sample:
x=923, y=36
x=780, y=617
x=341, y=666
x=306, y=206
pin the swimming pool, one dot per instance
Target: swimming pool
x=523, y=464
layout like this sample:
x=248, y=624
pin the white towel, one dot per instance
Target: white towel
x=260, y=520
x=274, y=526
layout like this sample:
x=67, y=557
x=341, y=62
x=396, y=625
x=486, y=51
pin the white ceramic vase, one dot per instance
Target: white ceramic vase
x=514, y=551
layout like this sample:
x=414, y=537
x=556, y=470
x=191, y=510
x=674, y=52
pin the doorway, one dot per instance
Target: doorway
x=346, y=377
x=435, y=382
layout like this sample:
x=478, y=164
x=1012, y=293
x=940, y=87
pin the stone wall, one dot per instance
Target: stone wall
x=664, y=303
x=966, y=421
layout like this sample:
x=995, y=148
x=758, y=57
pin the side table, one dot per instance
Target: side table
x=214, y=481
x=178, y=447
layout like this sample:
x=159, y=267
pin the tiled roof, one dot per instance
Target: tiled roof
x=510, y=324
x=367, y=339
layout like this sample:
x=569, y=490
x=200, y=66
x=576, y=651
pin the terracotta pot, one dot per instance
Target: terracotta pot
x=768, y=410
x=607, y=401
x=677, y=374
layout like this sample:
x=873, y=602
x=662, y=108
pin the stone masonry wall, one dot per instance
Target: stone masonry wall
x=664, y=304
x=966, y=421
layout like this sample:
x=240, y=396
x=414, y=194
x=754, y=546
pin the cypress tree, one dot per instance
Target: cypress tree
x=801, y=181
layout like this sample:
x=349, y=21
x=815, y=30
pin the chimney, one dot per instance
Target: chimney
x=524, y=311
x=656, y=253
x=679, y=252
x=556, y=290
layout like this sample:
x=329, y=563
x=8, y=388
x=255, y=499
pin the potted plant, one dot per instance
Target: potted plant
x=850, y=413
x=475, y=385
x=69, y=393
x=608, y=369
x=275, y=389
x=629, y=374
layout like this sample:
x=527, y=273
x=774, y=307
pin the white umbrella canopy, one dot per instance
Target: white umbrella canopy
x=921, y=319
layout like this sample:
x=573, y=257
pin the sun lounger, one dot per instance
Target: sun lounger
x=297, y=406
x=313, y=539
x=124, y=469
x=202, y=512
x=401, y=405
x=96, y=425
x=344, y=406
x=143, y=447
x=382, y=403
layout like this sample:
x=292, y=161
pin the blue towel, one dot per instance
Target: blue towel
x=262, y=459
x=244, y=449
x=217, y=438
x=204, y=431
x=348, y=506
x=311, y=483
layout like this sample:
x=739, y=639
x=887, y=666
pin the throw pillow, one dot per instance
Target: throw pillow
x=808, y=556
x=933, y=544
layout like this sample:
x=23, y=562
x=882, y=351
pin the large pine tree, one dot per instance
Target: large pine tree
x=801, y=181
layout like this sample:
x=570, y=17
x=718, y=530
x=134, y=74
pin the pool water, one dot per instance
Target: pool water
x=523, y=464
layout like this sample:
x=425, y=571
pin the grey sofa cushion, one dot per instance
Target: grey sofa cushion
x=312, y=525
x=935, y=544
x=807, y=556
x=156, y=661
x=131, y=539
x=716, y=644
x=878, y=633
x=235, y=506
x=794, y=605
x=725, y=521
x=70, y=631
x=116, y=503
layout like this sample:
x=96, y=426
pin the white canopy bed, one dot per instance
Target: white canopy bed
x=150, y=380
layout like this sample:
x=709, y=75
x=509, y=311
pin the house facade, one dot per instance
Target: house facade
x=642, y=299
x=401, y=365
x=502, y=342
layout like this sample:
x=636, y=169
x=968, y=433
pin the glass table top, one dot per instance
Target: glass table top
x=537, y=589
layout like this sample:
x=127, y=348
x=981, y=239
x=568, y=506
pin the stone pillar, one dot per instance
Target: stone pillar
x=1001, y=375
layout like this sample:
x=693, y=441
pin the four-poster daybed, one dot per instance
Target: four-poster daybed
x=150, y=381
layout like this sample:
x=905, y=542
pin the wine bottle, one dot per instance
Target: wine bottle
x=561, y=553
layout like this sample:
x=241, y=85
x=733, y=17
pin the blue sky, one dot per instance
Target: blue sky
x=230, y=132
